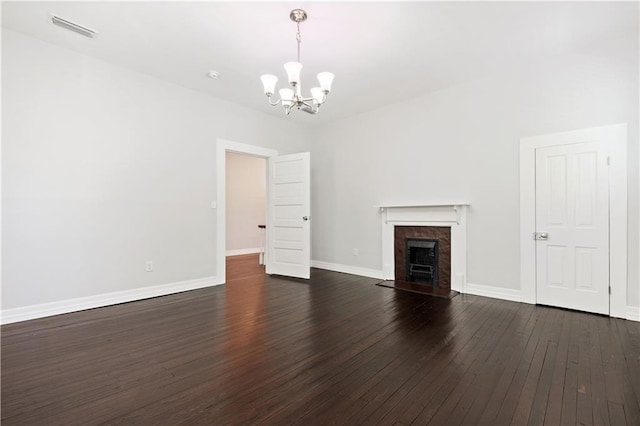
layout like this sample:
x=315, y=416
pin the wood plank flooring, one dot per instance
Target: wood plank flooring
x=333, y=350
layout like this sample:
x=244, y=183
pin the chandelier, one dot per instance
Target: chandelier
x=290, y=98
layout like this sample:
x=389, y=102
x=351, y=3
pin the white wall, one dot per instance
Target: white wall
x=246, y=202
x=462, y=144
x=105, y=168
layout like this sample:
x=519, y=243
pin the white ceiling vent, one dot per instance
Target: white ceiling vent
x=61, y=22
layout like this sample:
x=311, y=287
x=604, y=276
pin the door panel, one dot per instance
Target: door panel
x=572, y=205
x=289, y=203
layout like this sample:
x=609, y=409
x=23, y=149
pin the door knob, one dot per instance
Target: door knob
x=305, y=217
x=540, y=236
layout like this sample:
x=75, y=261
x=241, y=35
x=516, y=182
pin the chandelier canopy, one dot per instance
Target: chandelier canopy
x=290, y=98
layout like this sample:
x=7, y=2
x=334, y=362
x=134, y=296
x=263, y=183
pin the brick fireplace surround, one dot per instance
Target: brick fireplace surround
x=442, y=234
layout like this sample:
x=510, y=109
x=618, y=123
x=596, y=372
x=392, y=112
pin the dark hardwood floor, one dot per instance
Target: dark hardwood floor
x=333, y=350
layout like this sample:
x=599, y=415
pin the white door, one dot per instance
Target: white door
x=572, y=209
x=288, y=216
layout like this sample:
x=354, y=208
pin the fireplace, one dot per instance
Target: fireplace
x=448, y=225
x=423, y=256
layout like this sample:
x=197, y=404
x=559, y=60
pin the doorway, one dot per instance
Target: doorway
x=246, y=204
x=557, y=173
x=223, y=146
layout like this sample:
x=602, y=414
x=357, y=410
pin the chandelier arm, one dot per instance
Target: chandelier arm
x=311, y=99
x=274, y=103
x=309, y=110
x=287, y=109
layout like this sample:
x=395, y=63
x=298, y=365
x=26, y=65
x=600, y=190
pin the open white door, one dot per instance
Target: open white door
x=288, y=216
x=572, y=227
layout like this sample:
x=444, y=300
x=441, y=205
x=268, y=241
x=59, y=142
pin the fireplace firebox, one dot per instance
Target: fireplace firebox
x=422, y=261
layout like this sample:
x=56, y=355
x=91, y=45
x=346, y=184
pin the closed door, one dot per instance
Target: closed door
x=572, y=227
x=288, y=216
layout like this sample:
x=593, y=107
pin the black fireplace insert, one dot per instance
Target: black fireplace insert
x=422, y=261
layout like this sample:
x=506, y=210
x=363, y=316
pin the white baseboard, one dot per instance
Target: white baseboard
x=239, y=252
x=633, y=313
x=495, y=292
x=72, y=305
x=347, y=269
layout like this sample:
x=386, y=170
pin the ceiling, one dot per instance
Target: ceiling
x=380, y=52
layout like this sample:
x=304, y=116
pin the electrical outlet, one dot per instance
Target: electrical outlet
x=148, y=266
x=355, y=252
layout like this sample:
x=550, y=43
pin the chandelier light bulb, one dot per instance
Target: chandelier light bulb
x=290, y=98
x=293, y=72
x=317, y=94
x=325, y=79
x=269, y=82
x=287, y=97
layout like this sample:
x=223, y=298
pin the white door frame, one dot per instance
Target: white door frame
x=615, y=138
x=222, y=147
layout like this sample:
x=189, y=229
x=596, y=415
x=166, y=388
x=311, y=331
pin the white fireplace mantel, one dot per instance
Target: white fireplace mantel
x=453, y=215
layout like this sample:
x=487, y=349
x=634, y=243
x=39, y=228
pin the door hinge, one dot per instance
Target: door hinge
x=608, y=160
x=609, y=289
